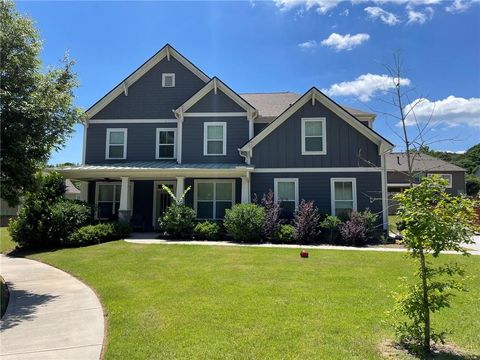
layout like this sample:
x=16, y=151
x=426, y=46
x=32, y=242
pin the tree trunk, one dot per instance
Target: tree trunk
x=426, y=305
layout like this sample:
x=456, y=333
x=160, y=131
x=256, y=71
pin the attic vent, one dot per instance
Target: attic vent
x=168, y=80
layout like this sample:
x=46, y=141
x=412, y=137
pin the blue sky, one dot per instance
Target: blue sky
x=255, y=46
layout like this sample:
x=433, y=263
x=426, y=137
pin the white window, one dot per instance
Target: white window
x=343, y=195
x=214, y=138
x=213, y=197
x=107, y=199
x=286, y=193
x=447, y=177
x=166, y=143
x=314, y=136
x=168, y=80
x=116, y=144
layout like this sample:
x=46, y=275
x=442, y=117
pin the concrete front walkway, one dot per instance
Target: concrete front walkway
x=50, y=314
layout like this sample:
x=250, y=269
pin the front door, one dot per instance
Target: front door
x=161, y=199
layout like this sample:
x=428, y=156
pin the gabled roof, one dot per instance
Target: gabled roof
x=316, y=95
x=270, y=105
x=167, y=51
x=215, y=84
x=421, y=162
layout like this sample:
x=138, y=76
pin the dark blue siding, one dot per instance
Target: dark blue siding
x=218, y=102
x=257, y=127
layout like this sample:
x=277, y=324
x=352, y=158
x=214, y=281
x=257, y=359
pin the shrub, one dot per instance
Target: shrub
x=331, y=223
x=65, y=217
x=207, y=230
x=244, y=222
x=272, y=222
x=96, y=234
x=306, y=222
x=358, y=228
x=285, y=234
x=178, y=221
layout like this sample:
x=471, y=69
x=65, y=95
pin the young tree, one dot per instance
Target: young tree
x=37, y=108
x=432, y=221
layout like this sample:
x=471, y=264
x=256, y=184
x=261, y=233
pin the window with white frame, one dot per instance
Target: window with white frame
x=213, y=197
x=215, y=138
x=447, y=177
x=107, y=199
x=166, y=144
x=344, y=196
x=116, y=144
x=314, y=140
x=168, y=80
x=286, y=193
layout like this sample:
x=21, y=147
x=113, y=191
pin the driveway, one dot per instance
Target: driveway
x=50, y=314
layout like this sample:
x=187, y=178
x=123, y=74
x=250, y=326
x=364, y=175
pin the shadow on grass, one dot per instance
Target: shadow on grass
x=391, y=350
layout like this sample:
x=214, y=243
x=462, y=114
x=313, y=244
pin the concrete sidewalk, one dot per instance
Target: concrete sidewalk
x=50, y=314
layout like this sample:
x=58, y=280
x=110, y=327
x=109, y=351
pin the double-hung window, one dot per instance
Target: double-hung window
x=286, y=193
x=107, y=200
x=166, y=144
x=116, y=144
x=213, y=197
x=344, y=196
x=314, y=136
x=214, y=138
x=447, y=177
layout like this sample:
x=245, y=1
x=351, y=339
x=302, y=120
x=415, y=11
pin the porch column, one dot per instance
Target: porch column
x=125, y=209
x=180, y=188
x=83, y=187
x=245, y=189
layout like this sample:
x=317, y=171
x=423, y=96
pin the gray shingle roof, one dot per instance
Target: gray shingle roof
x=422, y=162
x=271, y=105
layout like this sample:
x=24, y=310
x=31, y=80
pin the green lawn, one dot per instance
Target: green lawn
x=392, y=223
x=199, y=302
x=6, y=243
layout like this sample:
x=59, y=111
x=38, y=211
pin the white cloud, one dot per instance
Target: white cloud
x=344, y=42
x=419, y=17
x=458, y=6
x=308, y=45
x=376, y=12
x=451, y=111
x=345, y=12
x=322, y=6
x=364, y=87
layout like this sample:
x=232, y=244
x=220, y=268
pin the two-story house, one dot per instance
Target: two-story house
x=169, y=123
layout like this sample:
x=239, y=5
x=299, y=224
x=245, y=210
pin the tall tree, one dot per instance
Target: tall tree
x=37, y=109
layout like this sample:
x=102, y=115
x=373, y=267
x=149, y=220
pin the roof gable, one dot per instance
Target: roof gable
x=316, y=95
x=166, y=52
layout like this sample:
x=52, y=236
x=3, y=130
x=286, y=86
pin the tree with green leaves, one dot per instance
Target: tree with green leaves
x=37, y=109
x=432, y=222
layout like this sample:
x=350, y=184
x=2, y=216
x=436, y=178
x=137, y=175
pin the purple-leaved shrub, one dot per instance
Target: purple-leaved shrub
x=358, y=228
x=306, y=221
x=272, y=222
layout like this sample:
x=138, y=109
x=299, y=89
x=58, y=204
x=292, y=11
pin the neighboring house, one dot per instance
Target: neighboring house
x=71, y=192
x=169, y=123
x=423, y=165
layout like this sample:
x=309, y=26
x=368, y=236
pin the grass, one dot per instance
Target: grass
x=6, y=243
x=392, y=223
x=200, y=302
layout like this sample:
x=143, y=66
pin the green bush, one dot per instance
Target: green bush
x=244, y=222
x=65, y=217
x=208, y=230
x=285, y=234
x=331, y=224
x=178, y=221
x=96, y=234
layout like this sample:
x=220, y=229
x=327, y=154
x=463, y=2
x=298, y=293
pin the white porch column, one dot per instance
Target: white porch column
x=179, y=139
x=83, y=187
x=245, y=189
x=125, y=209
x=180, y=187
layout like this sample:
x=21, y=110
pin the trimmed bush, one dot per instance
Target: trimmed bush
x=331, y=224
x=208, y=230
x=66, y=216
x=178, y=221
x=272, y=222
x=244, y=222
x=358, y=229
x=285, y=234
x=306, y=222
x=97, y=234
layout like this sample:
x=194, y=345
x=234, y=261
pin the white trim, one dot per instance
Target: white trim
x=133, y=121
x=280, y=180
x=157, y=143
x=450, y=180
x=325, y=169
x=400, y=185
x=332, y=192
x=327, y=102
x=205, y=140
x=84, y=150
x=164, y=76
x=323, y=121
x=107, y=143
x=216, y=114
x=384, y=192
x=214, y=181
x=154, y=209
x=137, y=74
